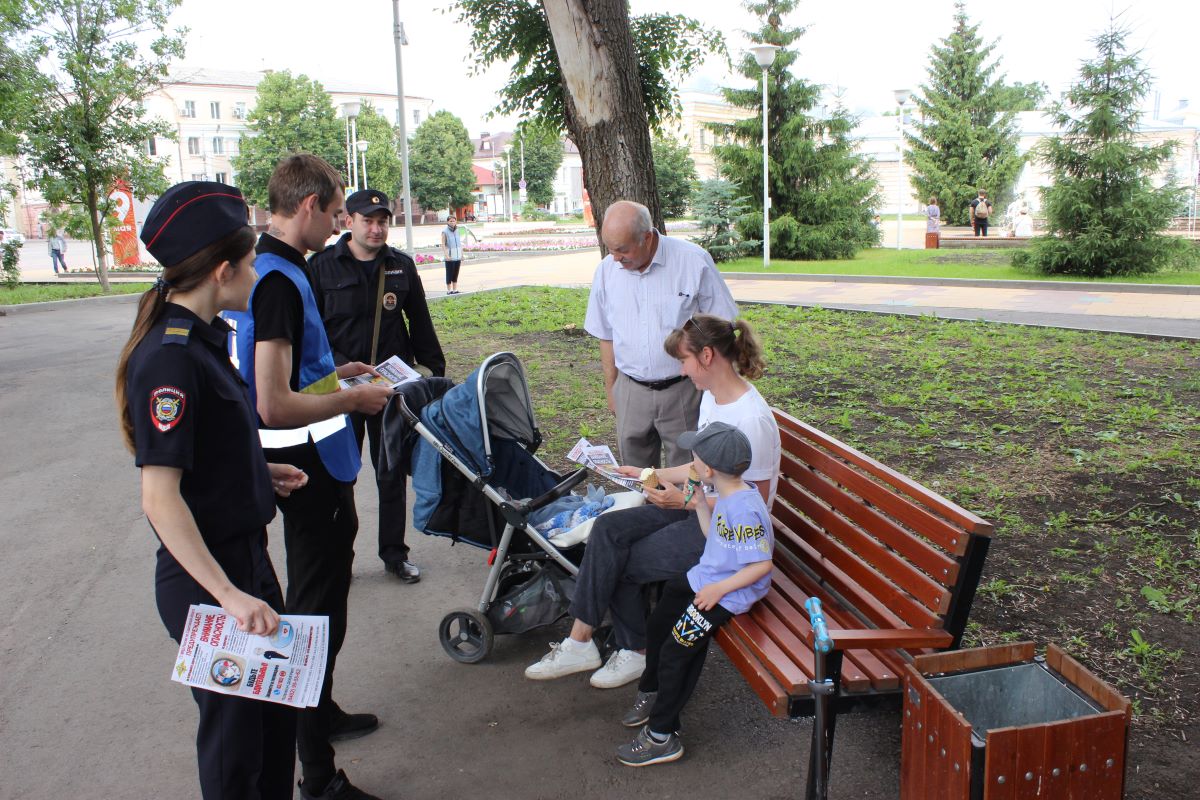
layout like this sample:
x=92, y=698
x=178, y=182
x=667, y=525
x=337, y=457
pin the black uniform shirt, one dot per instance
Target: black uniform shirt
x=191, y=410
x=347, y=295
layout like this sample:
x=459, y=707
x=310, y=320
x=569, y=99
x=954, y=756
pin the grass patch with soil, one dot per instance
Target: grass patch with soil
x=42, y=293
x=1080, y=446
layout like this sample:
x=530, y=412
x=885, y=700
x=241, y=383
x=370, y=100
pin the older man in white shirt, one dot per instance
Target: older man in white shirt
x=649, y=285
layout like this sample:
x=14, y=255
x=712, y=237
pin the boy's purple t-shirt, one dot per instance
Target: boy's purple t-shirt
x=740, y=533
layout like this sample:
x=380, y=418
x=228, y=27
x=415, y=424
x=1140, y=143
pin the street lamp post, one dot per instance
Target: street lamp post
x=508, y=179
x=902, y=96
x=401, y=39
x=764, y=56
x=350, y=111
x=362, y=148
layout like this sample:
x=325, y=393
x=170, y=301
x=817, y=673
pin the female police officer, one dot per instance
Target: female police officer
x=206, y=487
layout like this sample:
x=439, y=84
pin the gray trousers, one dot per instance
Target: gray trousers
x=626, y=550
x=648, y=421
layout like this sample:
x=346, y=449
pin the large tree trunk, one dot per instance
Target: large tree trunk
x=602, y=94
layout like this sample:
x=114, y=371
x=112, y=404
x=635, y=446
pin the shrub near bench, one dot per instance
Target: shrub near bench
x=895, y=565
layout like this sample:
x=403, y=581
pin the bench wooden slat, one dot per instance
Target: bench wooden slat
x=782, y=603
x=889, y=563
x=863, y=580
x=759, y=678
x=881, y=670
x=922, y=521
x=877, y=612
x=934, y=562
x=763, y=647
x=953, y=512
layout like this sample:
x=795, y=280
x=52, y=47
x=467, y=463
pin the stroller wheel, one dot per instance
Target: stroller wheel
x=466, y=635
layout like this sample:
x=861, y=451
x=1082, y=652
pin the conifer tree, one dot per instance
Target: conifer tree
x=964, y=137
x=1103, y=209
x=821, y=190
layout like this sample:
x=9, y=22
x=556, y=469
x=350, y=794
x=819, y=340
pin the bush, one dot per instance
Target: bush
x=718, y=208
x=532, y=213
x=10, y=269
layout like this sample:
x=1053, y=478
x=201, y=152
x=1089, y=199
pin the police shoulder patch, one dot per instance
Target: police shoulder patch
x=177, y=331
x=166, y=407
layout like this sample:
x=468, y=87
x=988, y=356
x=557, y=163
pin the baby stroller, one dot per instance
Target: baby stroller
x=476, y=479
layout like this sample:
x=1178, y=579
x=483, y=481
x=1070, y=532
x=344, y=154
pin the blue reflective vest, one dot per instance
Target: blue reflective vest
x=339, y=451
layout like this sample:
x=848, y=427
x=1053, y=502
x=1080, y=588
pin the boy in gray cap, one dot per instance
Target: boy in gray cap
x=734, y=572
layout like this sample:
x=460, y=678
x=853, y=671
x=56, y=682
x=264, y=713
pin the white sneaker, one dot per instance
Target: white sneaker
x=623, y=666
x=565, y=658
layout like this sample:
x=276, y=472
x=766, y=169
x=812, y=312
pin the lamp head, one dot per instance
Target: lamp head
x=902, y=96
x=362, y=145
x=764, y=54
x=350, y=109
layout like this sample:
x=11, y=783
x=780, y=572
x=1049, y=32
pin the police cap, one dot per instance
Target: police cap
x=367, y=201
x=190, y=216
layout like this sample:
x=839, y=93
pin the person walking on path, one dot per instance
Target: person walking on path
x=981, y=210
x=372, y=302
x=648, y=285
x=207, y=489
x=58, y=250
x=284, y=356
x=452, y=253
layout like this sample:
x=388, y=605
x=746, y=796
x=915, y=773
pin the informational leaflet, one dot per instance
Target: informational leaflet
x=287, y=667
x=600, y=459
x=393, y=372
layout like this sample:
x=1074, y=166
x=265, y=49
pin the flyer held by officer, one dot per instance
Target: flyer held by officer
x=286, y=667
x=393, y=372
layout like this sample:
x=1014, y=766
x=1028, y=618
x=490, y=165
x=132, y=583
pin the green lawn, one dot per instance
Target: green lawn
x=41, y=293
x=945, y=263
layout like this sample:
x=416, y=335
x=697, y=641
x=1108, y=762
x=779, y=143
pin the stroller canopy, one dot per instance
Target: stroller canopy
x=487, y=422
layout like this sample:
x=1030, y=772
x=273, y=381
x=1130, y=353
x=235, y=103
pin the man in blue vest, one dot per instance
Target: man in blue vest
x=284, y=355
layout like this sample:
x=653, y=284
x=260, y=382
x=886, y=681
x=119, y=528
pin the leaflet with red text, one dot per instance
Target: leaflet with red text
x=286, y=667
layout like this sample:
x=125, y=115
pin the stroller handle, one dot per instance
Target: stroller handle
x=821, y=641
x=564, y=486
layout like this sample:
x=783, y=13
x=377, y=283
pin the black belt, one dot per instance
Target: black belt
x=658, y=386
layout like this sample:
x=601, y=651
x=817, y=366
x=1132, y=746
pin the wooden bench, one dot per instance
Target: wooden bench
x=894, y=564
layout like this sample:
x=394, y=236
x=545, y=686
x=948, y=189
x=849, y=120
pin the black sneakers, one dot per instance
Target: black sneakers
x=340, y=788
x=404, y=570
x=351, y=726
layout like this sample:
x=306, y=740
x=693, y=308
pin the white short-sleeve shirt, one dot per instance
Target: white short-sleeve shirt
x=752, y=416
x=637, y=310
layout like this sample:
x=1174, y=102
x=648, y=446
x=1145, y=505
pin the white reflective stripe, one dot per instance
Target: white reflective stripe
x=274, y=439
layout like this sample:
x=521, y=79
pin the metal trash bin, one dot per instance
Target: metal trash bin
x=996, y=723
x=933, y=241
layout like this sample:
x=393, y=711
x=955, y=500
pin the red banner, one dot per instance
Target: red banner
x=124, y=236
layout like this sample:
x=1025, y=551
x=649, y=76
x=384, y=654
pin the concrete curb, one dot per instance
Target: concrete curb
x=976, y=283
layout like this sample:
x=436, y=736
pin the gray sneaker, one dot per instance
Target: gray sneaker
x=643, y=750
x=640, y=713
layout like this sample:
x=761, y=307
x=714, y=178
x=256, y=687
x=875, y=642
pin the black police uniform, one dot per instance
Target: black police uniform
x=191, y=411
x=347, y=294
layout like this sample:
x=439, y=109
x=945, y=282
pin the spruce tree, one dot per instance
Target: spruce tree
x=821, y=190
x=1103, y=210
x=964, y=137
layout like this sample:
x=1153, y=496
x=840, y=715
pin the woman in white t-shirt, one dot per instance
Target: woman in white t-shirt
x=650, y=543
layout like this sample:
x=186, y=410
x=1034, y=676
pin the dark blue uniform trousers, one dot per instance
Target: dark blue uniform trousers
x=246, y=749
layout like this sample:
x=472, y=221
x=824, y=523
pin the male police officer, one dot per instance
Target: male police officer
x=373, y=306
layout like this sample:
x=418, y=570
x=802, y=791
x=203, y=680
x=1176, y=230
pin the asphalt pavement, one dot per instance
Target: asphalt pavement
x=86, y=704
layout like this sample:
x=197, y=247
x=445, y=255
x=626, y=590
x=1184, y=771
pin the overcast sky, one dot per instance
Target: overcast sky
x=868, y=47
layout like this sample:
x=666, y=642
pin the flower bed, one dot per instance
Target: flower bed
x=425, y=258
x=526, y=245
x=145, y=268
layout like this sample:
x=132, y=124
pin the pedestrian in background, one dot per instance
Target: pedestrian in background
x=981, y=210
x=58, y=250
x=933, y=216
x=451, y=253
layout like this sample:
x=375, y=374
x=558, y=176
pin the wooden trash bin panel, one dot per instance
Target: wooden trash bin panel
x=996, y=724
